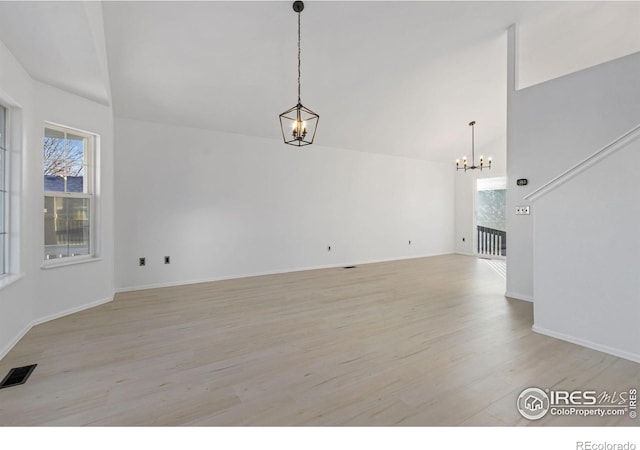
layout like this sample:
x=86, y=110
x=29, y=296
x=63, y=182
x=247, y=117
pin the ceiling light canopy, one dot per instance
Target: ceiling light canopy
x=473, y=166
x=298, y=124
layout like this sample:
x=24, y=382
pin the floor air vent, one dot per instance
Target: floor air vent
x=17, y=375
x=349, y=267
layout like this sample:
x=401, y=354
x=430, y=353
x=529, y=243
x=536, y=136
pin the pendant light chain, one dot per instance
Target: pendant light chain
x=299, y=58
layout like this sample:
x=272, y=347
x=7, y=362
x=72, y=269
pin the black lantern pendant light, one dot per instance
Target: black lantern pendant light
x=465, y=163
x=298, y=124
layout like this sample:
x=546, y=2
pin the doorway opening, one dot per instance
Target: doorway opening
x=491, y=217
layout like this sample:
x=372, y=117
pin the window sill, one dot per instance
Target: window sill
x=55, y=264
x=9, y=279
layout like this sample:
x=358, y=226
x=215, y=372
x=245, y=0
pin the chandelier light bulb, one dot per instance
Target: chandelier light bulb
x=299, y=129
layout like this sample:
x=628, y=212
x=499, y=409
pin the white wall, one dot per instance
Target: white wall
x=91, y=282
x=572, y=36
x=552, y=126
x=35, y=294
x=225, y=205
x=587, y=257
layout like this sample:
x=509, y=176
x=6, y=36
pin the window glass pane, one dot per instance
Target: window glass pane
x=77, y=215
x=75, y=141
x=76, y=171
x=53, y=183
x=50, y=240
x=3, y=156
x=3, y=197
x=3, y=194
x=55, y=161
x=76, y=181
x=75, y=150
x=65, y=162
x=66, y=227
x=2, y=127
x=3, y=269
x=53, y=133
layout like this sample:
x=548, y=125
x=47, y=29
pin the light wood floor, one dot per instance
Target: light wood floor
x=421, y=342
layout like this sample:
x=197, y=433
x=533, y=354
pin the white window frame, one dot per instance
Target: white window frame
x=90, y=176
x=4, y=186
x=13, y=186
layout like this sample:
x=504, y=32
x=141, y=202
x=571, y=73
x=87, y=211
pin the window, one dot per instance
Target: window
x=68, y=193
x=4, y=197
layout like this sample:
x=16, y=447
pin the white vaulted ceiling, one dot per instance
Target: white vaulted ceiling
x=401, y=78
x=59, y=43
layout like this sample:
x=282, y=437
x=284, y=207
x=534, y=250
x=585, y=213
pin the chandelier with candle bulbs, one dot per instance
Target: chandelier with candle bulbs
x=465, y=164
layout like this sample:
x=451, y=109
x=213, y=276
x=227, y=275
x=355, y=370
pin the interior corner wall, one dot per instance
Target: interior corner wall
x=225, y=205
x=38, y=295
x=553, y=126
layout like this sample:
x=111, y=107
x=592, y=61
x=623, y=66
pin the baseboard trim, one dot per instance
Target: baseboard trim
x=588, y=344
x=7, y=348
x=48, y=318
x=272, y=272
x=69, y=311
x=515, y=295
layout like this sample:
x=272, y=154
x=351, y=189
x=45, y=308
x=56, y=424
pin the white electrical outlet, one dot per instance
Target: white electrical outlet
x=523, y=210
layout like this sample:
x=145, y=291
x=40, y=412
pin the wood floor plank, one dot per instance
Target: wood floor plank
x=428, y=341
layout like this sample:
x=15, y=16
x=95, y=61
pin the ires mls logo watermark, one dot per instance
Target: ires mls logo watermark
x=534, y=403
